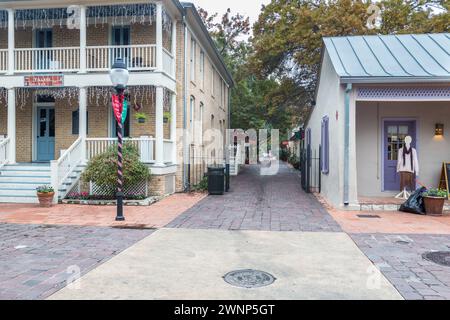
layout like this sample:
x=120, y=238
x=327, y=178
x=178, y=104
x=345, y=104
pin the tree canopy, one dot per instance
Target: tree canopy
x=276, y=68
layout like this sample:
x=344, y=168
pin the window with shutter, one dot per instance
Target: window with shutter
x=325, y=142
x=76, y=122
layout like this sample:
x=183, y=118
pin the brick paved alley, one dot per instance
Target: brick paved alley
x=270, y=203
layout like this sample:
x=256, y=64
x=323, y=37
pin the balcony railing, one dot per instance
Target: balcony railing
x=98, y=58
x=138, y=57
x=47, y=59
x=3, y=60
x=145, y=145
x=168, y=63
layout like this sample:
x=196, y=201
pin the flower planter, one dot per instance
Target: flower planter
x=46, y=199
x=434, y=206
x=141, y=120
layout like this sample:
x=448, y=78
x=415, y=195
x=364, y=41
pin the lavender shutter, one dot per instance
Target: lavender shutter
x=325, y=141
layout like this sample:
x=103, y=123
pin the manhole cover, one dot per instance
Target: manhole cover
x=441, y=257
x=249, y=278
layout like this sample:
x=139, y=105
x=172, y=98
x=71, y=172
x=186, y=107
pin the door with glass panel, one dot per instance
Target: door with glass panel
x=43, y=59
x=395, y=133
x=45, y=146
x=121, y=41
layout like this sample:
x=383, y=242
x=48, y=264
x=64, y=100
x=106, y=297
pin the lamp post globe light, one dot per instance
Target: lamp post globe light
x=119, y=76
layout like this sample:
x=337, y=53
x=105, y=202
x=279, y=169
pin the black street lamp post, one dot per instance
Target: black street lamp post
x=119, y=77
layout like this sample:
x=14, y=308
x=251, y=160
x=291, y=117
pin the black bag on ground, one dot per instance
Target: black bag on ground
x=415, y=203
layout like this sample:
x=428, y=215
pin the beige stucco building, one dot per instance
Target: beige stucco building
x=374, y=91
x=55, y=90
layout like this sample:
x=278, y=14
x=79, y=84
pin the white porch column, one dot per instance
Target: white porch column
x=159, y=37
x=83, y=37
x=159, y=127
x=82, y=97
x=12, y=125
x=173, y=127
x=174, y=48
x=11, y=41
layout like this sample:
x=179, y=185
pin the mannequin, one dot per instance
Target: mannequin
x=408, y=168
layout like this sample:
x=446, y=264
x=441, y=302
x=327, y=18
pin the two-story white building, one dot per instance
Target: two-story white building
x=55, y=91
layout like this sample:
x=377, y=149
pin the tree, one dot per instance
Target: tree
x=252, y=99
x=288, y=36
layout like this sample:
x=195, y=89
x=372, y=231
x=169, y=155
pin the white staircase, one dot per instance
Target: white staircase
x=18, y=182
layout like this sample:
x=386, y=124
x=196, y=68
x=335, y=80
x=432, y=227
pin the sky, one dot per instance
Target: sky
x=249, y=8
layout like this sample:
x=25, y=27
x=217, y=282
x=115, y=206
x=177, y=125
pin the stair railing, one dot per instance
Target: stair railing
x=62, y=168
x=4, y=150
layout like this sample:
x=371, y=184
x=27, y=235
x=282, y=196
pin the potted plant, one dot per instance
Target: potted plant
x=45, y=195
x=434, y=200
x=141, y=117
x=167, y=116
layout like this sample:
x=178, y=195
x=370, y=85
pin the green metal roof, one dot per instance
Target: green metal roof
x=391, y=58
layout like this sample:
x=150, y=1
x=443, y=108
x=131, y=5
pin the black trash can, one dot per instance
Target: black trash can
x=216, y=180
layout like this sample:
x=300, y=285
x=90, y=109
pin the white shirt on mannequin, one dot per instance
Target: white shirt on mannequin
x=406, y=166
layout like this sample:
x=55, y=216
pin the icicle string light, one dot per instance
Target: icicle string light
x=137, y=95
x=142, y=13
x=69, y=93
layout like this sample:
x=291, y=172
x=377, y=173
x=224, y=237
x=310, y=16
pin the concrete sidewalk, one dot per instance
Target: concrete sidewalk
x=190, y=264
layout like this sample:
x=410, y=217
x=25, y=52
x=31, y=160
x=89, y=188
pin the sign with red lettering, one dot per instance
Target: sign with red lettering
x=44, y=81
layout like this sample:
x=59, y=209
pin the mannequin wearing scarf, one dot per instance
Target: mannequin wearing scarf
x=407, y=167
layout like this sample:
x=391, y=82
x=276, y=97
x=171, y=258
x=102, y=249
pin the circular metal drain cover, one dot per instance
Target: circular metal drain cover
x=249, y=278
x=440, y=257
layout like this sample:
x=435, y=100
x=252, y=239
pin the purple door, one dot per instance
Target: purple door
x=395, y=133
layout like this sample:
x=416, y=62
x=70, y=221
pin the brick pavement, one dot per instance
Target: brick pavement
x=399, y=257
x=269, y=203
x=37, y=261
x=154, y=216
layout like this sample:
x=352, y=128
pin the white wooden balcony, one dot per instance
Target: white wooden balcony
x=98, y=59
x=138, y=57
x=3, y=60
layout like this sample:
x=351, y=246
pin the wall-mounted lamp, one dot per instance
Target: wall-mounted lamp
x=439, y=129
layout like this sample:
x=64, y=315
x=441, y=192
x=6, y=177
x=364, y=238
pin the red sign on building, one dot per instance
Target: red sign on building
x=42, y=81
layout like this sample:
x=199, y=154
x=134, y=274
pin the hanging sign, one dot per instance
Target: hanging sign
x=44, y=81
x=117, y=104
x=444, y=183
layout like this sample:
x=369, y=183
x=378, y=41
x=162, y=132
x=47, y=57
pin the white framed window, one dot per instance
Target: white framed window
x=192, y=119
x=202, y=70
x=213, y=81
x=201, y=111
x=193, y=61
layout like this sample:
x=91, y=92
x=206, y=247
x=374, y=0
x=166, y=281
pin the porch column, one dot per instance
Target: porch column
x=11, y=41
x=12, y=125
x=173, y=127
x=174, y=48
x=159, y=37
x=159, y=127
x=83, y=37
x=82, y=97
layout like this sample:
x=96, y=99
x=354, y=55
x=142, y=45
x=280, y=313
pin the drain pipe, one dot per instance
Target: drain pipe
x=185, y=86
x=348, y=90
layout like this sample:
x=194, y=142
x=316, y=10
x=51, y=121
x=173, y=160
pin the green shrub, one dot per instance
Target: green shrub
x=438, y=193
x=202, y=186
x=102, y=170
